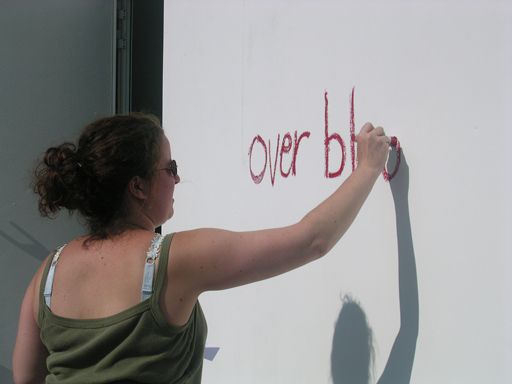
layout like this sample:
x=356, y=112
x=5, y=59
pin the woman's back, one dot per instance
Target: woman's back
x=100, y=278
x=132, y=344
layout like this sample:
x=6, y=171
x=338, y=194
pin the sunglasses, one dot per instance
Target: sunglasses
x=171, y=169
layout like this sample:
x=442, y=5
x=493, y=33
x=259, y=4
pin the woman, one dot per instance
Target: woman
x=120, y=304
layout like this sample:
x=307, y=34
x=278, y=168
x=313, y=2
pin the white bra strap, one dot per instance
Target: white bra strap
x=149, y=267
x=48, y=287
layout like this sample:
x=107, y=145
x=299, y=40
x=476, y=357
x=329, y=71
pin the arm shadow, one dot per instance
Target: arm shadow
x=352, y=348
x=31, y=246
x=5, y=375
x=400, y=361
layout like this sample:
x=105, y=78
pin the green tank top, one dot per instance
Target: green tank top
x=136, y=345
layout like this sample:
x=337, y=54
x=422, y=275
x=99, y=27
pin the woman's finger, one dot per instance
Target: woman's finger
x=379, y=131
x=367, y=128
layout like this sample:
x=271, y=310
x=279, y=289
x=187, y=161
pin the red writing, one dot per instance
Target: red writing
x=289, y=146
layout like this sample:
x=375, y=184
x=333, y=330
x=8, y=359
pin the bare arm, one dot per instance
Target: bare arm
x=29, y=357
x=210, y=259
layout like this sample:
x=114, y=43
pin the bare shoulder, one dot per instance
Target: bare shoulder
x=193, y=250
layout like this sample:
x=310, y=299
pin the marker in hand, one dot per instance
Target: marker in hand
x=394, y=143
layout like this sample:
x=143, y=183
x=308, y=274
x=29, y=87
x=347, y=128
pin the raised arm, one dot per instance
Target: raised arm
x=210, y=259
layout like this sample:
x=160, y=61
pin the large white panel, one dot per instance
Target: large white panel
x=436, y=74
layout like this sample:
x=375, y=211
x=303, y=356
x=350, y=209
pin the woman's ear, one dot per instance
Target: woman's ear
x=138, y=188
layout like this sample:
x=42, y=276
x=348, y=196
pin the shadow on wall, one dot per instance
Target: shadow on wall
x=352, y=347
x=5, y=375
x=31, y=246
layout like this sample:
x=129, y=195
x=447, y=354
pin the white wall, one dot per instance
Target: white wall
x=437, y=74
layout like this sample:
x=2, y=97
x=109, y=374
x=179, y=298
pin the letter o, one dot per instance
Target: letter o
x=257, y=178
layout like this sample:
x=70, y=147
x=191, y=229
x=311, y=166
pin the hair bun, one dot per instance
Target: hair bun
x=57, y=180
x=60, y=158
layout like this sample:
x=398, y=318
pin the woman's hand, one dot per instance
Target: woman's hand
x=372, y=147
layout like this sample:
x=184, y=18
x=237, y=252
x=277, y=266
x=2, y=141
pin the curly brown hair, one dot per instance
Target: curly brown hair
x=91, y=177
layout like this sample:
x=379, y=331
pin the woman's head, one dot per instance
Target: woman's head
x=93, y=176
